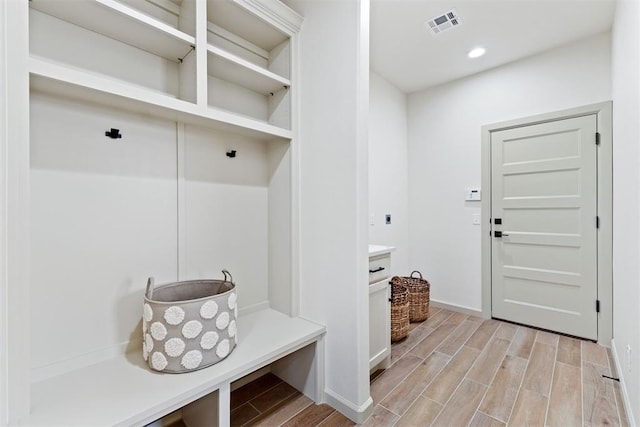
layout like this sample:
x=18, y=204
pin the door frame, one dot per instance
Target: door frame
x=603, y=112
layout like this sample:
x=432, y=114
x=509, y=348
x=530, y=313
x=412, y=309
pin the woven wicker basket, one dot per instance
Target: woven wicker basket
x=418, y=296
x=399, y=311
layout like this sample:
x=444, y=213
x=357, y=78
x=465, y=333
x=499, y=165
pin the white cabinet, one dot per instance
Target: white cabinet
x=379, y=323
x=186, y=82
x=379, y=306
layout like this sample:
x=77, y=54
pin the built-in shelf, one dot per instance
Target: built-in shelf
x=63, y=80
x=231, y=15
x=139, y=65
x=232, y=68
x=136, y=395
x=123, y=23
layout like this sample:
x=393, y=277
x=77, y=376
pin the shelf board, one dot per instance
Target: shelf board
x=123, y=23
x=124, y=391
x=232, y=68
x=232, y=15
x=51, y=77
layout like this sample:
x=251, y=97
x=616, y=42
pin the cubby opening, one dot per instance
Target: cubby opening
x=283, y=377
x=247, y=36
x=165, y=200
x=272, y=107
x=248, y=65
x=136, y=42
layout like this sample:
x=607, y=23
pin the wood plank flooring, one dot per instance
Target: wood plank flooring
x=459, y=370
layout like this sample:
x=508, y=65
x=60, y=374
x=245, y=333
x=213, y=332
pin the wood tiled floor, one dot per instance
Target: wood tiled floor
x=459, y=370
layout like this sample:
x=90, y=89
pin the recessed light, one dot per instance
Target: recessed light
x=476, y=53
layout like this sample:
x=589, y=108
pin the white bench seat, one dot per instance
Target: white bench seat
x=124, y=391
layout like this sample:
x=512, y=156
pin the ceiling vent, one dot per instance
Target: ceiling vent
x=443, y=22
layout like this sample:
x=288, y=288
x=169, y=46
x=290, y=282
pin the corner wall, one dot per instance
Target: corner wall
x=626, y=199
x=388, y=174
x=444, y=152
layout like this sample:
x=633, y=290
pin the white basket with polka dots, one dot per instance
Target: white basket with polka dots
x=189, y=325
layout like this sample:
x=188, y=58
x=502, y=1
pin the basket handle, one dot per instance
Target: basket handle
x=226, y=273
x=149, y=290
x=416, y=271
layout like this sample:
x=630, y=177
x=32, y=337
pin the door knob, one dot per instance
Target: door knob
x=500, y=234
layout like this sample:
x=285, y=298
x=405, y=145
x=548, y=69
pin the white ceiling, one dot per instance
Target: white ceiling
x=406, y=53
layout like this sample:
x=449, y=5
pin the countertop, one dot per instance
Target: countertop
x=379, y=250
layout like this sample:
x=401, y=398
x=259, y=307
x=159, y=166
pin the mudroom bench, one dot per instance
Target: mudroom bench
x=123, y=391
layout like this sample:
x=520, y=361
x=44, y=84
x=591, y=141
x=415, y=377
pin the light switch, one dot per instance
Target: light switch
x=372, y=219
x=475, y=219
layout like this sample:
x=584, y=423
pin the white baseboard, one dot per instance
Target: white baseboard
x=623, y=386
x=458, y=308
x=357, y=414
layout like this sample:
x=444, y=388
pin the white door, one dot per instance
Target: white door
x=544, y=203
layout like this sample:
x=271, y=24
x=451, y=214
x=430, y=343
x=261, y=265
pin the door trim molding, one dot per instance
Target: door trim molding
x=603, y=112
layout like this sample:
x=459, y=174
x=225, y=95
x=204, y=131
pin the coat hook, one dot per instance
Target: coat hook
x=231, y=153
x=113, y=133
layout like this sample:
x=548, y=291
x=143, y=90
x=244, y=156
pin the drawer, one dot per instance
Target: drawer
x=379, y=268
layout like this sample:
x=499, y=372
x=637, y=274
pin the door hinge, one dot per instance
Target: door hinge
x=597, y=138
x=597, y=222
x=597, y=306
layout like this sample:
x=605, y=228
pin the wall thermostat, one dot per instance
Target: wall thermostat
x=472, y=194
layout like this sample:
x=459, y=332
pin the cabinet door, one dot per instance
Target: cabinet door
x=379, y=322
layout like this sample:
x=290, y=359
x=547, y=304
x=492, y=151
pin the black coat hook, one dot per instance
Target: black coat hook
x=113, y=133
x=231, y=153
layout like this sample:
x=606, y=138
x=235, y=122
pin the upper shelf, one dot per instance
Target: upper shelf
x=124, y=391
x=232, y=15
x=123, y=23
x=232, y=68
x=63, y=80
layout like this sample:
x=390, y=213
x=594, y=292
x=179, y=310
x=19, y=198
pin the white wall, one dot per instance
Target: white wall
x=626, y=197
x=388, y=174
x=225, y=212
x=444, y=152
x=334, y=73
x=103, y=219
x=3, y=220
